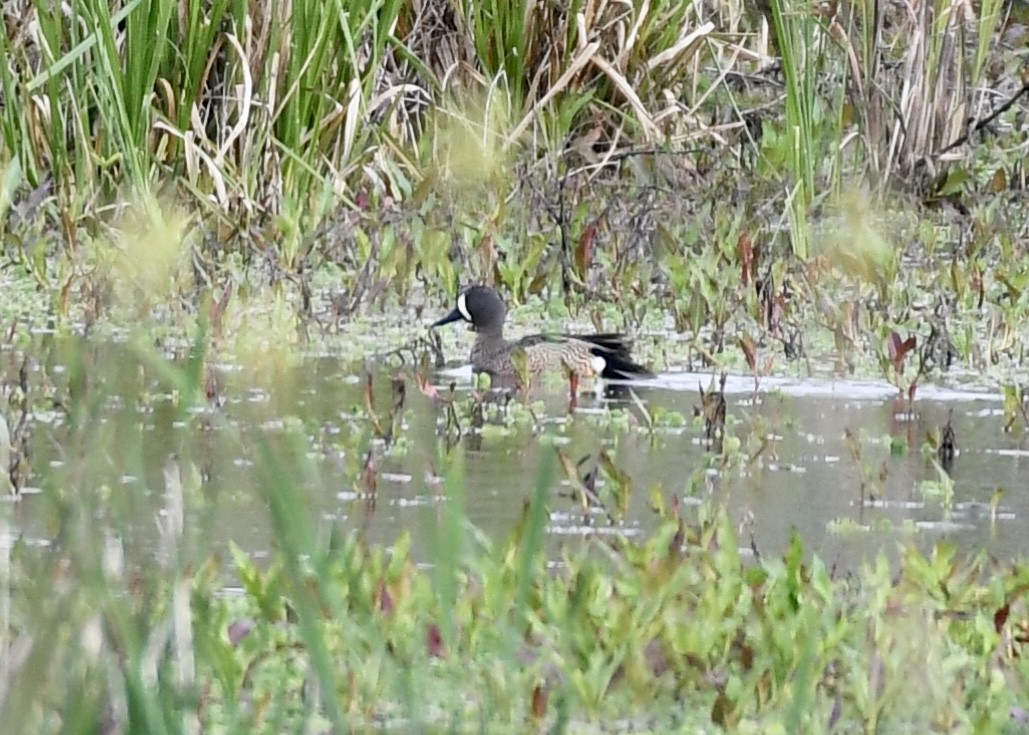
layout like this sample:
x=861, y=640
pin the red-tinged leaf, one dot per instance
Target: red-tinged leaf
x=584, y=249
x=678, y=539
x=398, y=388
x=657, y=658
x=210, y=384
x=749, y=351
x=893, y=346
x=427, y=389
x=898, y=349
x=977, y=284
x=65, y=296
x=834, y=714
x=362, y=200
x=1001, y=617
x=370, y=474
x=369, y=404
x=238, y=630
x=772, y=312
x=385, y=598
x=434, y=642
x=745, y=254
x=909, y=344
x=540, y=698
x=489, y=256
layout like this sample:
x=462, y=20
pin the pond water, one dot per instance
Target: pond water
x=805, y=479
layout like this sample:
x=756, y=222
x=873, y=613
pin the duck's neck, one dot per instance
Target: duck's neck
x=490, y=340
x=493, y=334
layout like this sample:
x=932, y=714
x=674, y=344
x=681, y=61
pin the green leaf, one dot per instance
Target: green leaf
x=954, y=183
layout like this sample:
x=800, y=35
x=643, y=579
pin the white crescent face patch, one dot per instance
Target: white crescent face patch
x=462, y=306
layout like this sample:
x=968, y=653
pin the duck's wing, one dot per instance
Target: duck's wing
x=615, y=350
x=609, y=342
x=531, y=340
x=611, y=346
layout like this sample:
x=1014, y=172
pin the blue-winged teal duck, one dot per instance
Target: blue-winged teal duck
x=584, y=355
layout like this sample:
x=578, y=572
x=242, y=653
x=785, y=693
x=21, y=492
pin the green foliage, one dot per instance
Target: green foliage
x=300, y=133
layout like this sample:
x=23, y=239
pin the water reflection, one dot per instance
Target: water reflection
x=791, y=467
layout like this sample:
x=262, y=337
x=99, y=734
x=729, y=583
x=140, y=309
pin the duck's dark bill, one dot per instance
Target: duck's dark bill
x=453, y=316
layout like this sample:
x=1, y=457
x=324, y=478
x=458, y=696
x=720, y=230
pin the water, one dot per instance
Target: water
x=804, y=479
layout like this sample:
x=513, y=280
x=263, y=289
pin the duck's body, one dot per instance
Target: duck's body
x=606, y=355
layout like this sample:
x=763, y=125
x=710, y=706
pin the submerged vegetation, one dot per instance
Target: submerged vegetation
x=834, y=188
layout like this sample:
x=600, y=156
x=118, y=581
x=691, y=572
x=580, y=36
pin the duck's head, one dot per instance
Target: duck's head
x=481, y=307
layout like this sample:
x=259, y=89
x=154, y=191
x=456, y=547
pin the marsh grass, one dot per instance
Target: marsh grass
x=262, y=120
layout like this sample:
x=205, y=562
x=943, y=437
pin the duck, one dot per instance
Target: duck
x=605, y=355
